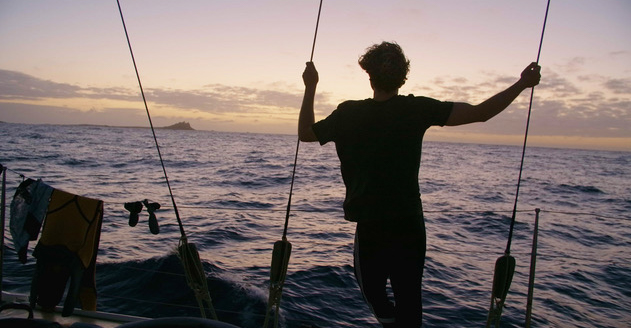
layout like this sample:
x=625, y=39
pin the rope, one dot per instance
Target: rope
x=195, y=276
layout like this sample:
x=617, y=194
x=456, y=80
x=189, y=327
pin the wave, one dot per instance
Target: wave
x=157, y=288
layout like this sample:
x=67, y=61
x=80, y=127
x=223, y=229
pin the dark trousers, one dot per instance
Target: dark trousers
x=392, y=249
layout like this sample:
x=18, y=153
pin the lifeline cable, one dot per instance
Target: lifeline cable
x=523, y=152
x=293, y=174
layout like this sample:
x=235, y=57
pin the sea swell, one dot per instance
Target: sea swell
x=232, y=192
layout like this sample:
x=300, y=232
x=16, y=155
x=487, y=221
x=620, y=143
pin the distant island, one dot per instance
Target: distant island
x=179, y=126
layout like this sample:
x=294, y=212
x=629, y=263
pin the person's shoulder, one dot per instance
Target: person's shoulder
x=412, y=97
x=354, y=103
x=423, y=101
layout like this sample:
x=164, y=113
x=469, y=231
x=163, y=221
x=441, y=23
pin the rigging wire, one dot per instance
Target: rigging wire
x=282, y=248
x=316, y=31
x=523, y=152
x=187, y=252
x=505, y=265
x=155, y=139
x=293, y=174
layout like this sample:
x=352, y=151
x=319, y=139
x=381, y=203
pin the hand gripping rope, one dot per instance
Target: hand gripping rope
x=505, y=265
x=187, y=252
x=282, y=248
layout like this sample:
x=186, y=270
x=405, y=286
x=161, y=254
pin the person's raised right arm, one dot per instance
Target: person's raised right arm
x=307, y=117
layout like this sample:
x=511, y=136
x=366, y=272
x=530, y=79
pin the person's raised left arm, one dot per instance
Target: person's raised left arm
x=463, y=113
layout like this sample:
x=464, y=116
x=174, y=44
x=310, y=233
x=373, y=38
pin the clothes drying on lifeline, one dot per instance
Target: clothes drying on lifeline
x=67, y=249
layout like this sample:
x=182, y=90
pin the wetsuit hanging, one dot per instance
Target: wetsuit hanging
x=66, y=251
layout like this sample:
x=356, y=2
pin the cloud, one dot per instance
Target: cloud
x=618, y=86
x=218, y=98
x=24, y=98
x=20, y=86
x=558, y=85
x=562, y=106
x=214, y=98
x=573, y=65
x=595, y=107
x=16, y=85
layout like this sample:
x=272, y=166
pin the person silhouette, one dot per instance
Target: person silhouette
x=378, y=141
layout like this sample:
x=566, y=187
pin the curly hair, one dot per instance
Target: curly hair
x=386, y=65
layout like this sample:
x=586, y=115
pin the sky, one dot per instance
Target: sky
x=236, y=65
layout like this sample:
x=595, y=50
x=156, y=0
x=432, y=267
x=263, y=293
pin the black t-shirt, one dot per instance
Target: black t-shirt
x=379, y=146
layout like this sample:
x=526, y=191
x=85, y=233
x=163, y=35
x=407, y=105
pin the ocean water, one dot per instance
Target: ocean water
x=231, y=190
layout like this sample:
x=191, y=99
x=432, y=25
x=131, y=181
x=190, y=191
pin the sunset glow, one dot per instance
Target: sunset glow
x=237, y=65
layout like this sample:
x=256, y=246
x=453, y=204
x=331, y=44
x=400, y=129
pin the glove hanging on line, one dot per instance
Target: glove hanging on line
x=135, y=208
